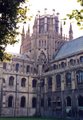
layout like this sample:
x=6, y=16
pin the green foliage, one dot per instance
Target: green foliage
x=77, y=15
x=12, y=12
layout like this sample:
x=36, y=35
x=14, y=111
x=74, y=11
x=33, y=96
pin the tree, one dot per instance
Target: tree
x=77, y=15
x=12, y=12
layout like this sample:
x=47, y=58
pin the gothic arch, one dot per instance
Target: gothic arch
x=49, y=80
x=23, y=82
x=63, y=64
x=79, y=76
x=17, y=67
x=58, y=80
x=68, y=78
x=34, y=83
x=11, y=81
x=42, y=57
x=34, y=102
x=23, y=102
x=10, y=100
x=72, y=62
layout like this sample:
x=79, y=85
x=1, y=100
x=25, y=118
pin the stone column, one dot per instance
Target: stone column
x=73, y=80
x=62, y=82
x=74, y=98
x=62, y=94
x=37, y=26
x=53, y=84
x=45, y=85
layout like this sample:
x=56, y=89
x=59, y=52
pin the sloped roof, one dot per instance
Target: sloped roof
x=21, y=56
x=69, y=48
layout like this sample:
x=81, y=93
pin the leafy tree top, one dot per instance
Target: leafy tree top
x=12, y=12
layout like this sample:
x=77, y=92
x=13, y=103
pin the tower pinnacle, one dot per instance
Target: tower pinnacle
x=23, y=33
x=70, y=32
x=61, y=29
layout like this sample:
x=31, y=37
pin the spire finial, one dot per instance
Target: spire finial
x=53, y=11
x=38, y=12
x=61, y=29
x=28, y=29
x=45, y=11
x=23, y=32
x=70, y=32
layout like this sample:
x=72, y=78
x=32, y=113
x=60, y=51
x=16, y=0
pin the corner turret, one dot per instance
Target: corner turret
x=70, y=32
x=28, y=32
x=61, y=30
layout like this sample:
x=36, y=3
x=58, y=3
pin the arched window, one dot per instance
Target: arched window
x=34, y=102
x=23, y=82
x=68, y=79
x=11, y=81
x=81, y=59
x=34, y=83
x=54, y=66
x=17, y=67
x=79, y=76
x=68, y=99
x=49, y=102
x=27, y=69
x=10, y=101
x=23, y=102
x=58, y=80
x=63, y=64
x=80, y=101
x=49, y=82
x=72, y=62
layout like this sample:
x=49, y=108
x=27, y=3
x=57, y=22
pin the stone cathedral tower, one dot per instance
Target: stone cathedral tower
x=46, y=39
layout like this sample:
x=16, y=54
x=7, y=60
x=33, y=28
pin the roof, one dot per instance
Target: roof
x=70, y=48
x=21, y=56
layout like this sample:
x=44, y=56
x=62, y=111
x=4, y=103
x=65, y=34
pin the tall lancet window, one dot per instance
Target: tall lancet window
x=48, y=24
x=58, y=80
x=17, y=67
x=23, y=102
x=56, y=24
x=10, y=101
x=68, y=79
x=41, y=25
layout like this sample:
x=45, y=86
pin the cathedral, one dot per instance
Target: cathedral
x=46, y=77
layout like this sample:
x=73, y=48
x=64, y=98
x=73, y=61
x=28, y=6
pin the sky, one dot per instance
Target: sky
x=61, y=6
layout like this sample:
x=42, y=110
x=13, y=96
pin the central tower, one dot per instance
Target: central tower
x=46, y=39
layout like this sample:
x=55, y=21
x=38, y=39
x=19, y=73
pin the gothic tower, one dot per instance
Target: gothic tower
x=70, y=32
x=46, y=39
x=25, y=41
